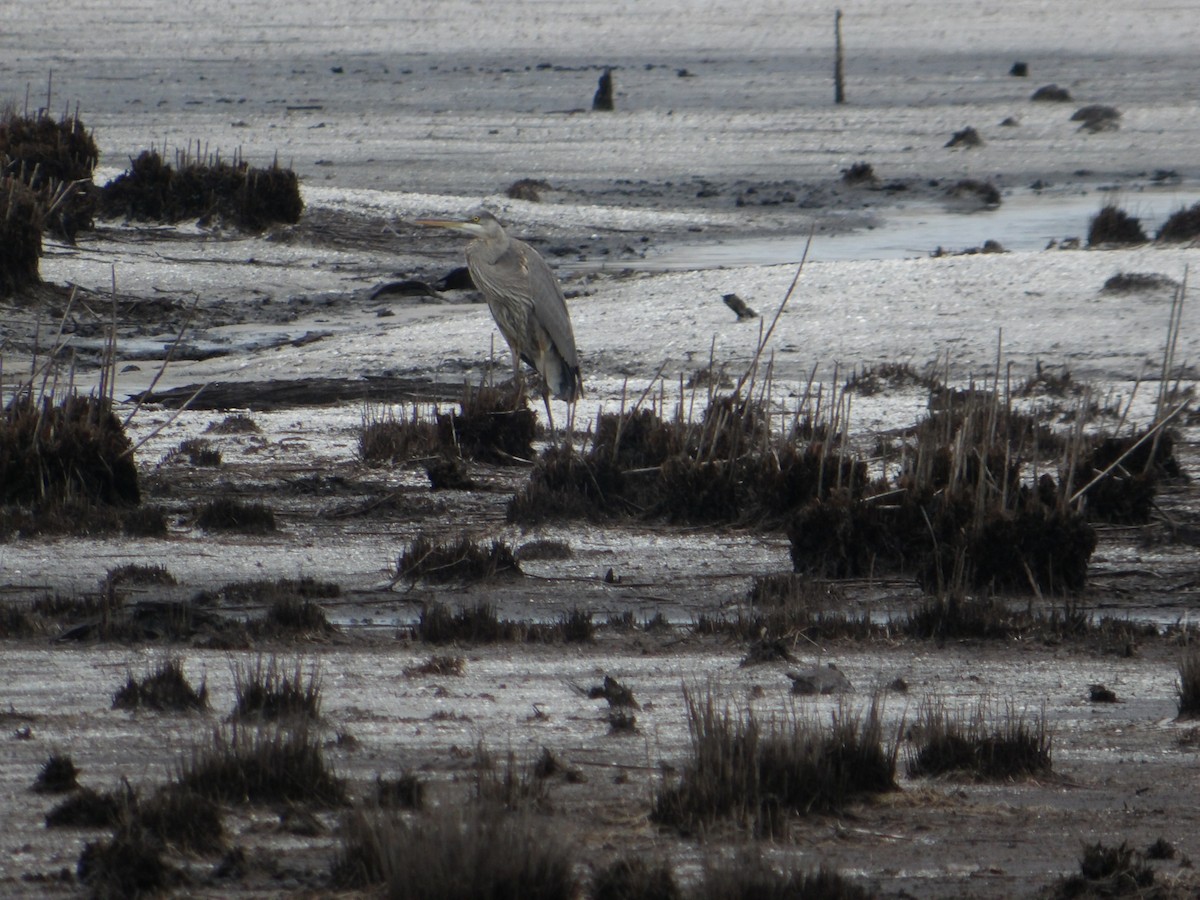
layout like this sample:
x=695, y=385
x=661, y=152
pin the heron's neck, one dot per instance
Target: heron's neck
x=487, y=250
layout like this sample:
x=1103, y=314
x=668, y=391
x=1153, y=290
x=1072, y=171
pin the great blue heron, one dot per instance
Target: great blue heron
x=526, y=301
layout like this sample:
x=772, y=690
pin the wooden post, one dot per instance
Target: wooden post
x=839, y=78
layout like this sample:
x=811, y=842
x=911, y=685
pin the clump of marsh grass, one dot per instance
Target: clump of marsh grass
x=205, y=188
x=978, y=744
x=437, y=666
x=406, y=791
x=1106, y=871
x=1112, y=225
x=126, y=865
x=55, y=159
x=1189, y=685
x=387, y=438
x=748, y=877
x=512, y=785
x=57, y=775
x=262, y=765
x=89, y=808
x=1181, y=225
x=633, y=878
x=164, y=688
x=472, y=851
x=760, y=775
x=229, y=514
x=492, y=424
x=461, y=560
x=267, y=691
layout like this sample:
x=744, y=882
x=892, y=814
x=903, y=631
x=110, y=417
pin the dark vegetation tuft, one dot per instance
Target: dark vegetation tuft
x=65, y=465
x=57, y=775
x=388, y=439
x=977, y=746
x=406, y=791
x=89, y=808
x=1181, y=225
x=480, y=624
x=128, y=865
x=439, y=666
x=211, y=191
x=258, y=766
x=1105, y=871
x=760, y=776
x=267, y=691
x=462, y=560
x=475, y=851
x=1113, y=225
x=632, y=878
x=1189, y=685
x=20, y=237
x=165, y=688
x=55, y=160
x=228, y=514
x=493, y=424
x=748, y=877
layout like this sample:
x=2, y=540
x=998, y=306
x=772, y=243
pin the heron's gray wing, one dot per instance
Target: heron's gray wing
x=548, y=304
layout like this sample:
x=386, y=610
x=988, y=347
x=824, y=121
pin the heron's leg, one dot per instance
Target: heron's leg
x=549, y=415
x=518, y=378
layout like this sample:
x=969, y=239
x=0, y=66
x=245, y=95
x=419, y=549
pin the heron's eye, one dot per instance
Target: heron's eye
x=475, y=219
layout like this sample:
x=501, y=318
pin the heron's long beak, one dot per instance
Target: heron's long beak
x=452, y=224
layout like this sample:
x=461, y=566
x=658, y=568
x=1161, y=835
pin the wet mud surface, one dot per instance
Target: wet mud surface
x=310, y=331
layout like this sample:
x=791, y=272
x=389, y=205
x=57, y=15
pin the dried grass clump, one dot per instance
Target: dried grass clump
x=293, y=616
x=266, y=692
x=1128, y=470
x=406, y=791
x=875, y=379
x=476, y=624
x=47, y=150
x=200, y=452
x=472, y=852
x=760, y=776
x=228, y=514
x=165, y=688
x=280, y=765
x=438, y=666
x=211, y=190
x=386, y=438
x=493, y=424
x=89, y=808
x=748, y=877
x=66, y=465
x=56, y=159
x=1113, y=225
x=234, y=423
x=1105, y=871
x=463, y=560
x=785, y=607
x=1189, y=685
x=180, y=820
x=633, y=878
x=20, y=237
x=725, y=468
x=977, y=746
x=140, y=574
x=1181, y=225
x=958, y=513
x=128, y=865
x=57, y=775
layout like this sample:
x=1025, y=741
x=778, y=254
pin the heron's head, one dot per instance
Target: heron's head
x=479, y=223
